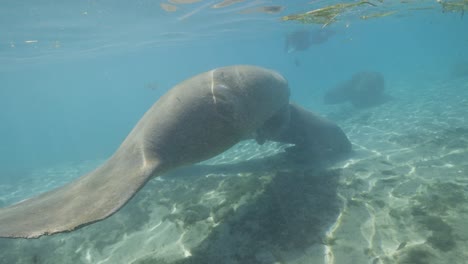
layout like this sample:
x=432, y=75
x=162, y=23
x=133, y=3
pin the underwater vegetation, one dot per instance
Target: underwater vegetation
x=325, y=15
x=454, y=6
x=377, y=15
x=173, y=6
x=364, y=89
x=370, y=9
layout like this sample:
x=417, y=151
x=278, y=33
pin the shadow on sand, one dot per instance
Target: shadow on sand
x=292, y=212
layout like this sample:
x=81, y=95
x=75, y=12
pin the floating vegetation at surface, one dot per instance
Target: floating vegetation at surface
x=226, y=3
x=422, y=8
x=454, y=6
x=377, y=15
x=330, y=14
x=325, y=15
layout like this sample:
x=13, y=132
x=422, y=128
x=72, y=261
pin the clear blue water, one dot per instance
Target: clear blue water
x=76, y=76
x=77, y=91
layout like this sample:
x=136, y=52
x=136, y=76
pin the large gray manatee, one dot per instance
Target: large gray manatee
x=195, y=120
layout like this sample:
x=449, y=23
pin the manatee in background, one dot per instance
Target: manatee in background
x=459, y=69
x=364, y=89
x=302, y=39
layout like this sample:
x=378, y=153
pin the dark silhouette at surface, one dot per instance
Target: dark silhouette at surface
x=302, y=39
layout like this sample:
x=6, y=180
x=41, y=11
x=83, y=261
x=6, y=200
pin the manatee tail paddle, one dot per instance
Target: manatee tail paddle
x=91, y=198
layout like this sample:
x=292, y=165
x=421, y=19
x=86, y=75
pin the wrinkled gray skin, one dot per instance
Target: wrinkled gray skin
x=196, y=120
x=315, y=138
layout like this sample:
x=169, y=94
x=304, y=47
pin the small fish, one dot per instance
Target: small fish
x=402, y=245
x=385, y=162
x=297, y=62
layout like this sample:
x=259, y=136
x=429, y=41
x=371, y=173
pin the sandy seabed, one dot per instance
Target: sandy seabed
x=402, y=197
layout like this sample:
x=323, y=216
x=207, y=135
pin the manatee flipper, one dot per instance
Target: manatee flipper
x=274, y=126
x=91, y=198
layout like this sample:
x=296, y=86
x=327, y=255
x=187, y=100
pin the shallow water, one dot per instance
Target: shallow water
x=75, y=77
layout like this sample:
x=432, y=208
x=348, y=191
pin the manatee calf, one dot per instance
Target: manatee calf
x=195, y=120
x=314, y=137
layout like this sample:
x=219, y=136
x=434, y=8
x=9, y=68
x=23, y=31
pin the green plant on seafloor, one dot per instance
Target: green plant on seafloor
x=325, y=15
